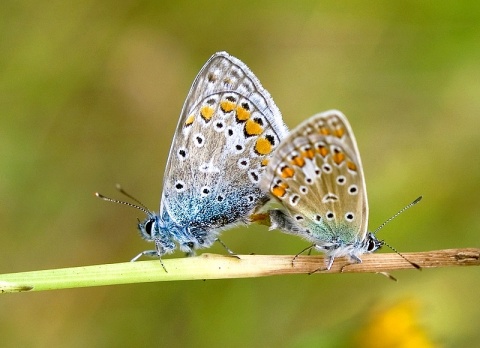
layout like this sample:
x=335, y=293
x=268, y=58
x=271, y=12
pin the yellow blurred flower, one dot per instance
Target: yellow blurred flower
x=394, y=327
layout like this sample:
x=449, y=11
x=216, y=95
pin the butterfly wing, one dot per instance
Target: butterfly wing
x=316, y=173
x=228, y=129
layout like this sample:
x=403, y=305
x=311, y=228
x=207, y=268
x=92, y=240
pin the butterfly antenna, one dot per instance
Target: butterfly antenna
x=390, y=219
x=398, y=213
x=403, y=257
x=139, y=207
x=123, y=192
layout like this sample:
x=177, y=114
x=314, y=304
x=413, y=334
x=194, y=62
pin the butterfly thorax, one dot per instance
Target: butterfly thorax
x=166, y=233
x=156, y=229
x=339, y=247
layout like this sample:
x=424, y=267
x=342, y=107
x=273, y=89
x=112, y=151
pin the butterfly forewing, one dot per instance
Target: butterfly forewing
x=316, y=173
x=228, y=129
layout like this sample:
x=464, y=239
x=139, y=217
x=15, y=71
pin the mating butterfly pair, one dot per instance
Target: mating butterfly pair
x=231, y=152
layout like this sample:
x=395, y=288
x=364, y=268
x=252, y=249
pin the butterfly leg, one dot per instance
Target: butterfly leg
x=151, y=253
x=353, y=259
x=328, y=265
x=230, y=252
x=309, y=248
x=189, y=249
x=388, y=275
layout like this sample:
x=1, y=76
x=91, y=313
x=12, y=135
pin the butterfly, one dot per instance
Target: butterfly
x=317, y=175
x=228, y=128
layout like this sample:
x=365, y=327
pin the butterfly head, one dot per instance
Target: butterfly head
x=149, y=228
x=371, y=243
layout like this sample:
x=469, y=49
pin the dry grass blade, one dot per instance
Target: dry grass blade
x=212, y=266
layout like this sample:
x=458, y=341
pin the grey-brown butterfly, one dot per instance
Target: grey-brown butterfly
x=317, y=174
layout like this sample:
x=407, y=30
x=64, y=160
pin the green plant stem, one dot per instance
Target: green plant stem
x=212, y=266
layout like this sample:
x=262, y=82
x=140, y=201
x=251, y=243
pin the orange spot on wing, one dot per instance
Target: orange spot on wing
x=308, y=153
x=227, y=106
x=322, y=150
x=265, y=162
x=298, y=161
x=278, y=191
x=287, y=172
x=189, y=120
x=263, y=146
x=339, y=132
x=207, y=112
x=351, y=166
x=338, y=157
x=253, y=128
x=242, y=113
x=324, y=131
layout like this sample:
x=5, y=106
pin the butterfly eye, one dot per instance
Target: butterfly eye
x=149, y=227
x=371, y=245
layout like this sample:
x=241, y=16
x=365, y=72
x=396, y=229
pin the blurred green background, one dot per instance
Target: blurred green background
x=90, y=94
